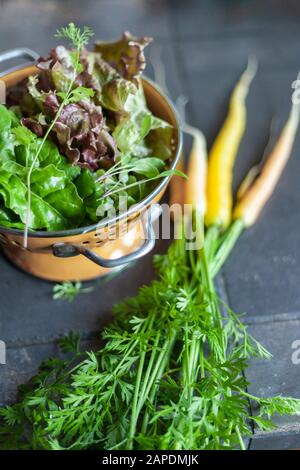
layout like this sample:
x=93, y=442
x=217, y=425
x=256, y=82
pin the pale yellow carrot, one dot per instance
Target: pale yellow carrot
x=177, y=186
x=195, y=185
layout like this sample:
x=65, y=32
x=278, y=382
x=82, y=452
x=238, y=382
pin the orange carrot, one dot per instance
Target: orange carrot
x=177, y=186
x=251, y=203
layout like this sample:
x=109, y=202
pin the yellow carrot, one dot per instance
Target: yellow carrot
x=224, y=151
x=250, y=205
x=195, y=185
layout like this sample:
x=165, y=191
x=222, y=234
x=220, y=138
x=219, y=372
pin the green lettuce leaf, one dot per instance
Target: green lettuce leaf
x=137, y=123
x=149, y=167
x=85, y=184
x=6, y=118
x=55, y=202
x=115, y=93
x=42, y=215
x=9, y=219
x=160, y=142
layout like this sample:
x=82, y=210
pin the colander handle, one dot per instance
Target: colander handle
x=65, y=250
x=28, y=55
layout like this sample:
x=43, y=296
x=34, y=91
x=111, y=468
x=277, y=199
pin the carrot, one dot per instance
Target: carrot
x=177, y=186
x=255, y=192
x=189, y=197
x=251, y=203
x=224, y=151
x=256, y=169
x=191, y=193
x=195, y=186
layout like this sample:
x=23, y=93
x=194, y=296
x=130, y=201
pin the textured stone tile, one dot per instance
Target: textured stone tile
x=108, y=18
x=23, y=362
x=32, y=315
x=276, y=442
x=198, y=18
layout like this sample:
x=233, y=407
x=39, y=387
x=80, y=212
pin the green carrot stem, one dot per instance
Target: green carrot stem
x=211, y=240
x=228, y=242
x=135, y=407
x=237, y=429
x=212, y=257
x=134, y=415
x=213, y=300
x=155, y=385
x=149, y=368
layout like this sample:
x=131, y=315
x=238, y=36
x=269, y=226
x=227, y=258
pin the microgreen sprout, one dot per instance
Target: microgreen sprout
x=78, y=39
x=69, y=290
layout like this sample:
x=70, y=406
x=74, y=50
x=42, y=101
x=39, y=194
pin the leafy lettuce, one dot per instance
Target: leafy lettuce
x=55, y=203
x=137, y=123
x=109, y=114
x=63, y=195
x=105, y=142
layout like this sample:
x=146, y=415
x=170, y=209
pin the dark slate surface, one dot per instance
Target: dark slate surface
x=202, y=18
x=23, y=362
x=283, y=441
x=108, y=18
x=204, y=45
x=280, y=375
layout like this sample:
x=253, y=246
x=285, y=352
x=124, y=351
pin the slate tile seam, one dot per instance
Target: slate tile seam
x=264, y=68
